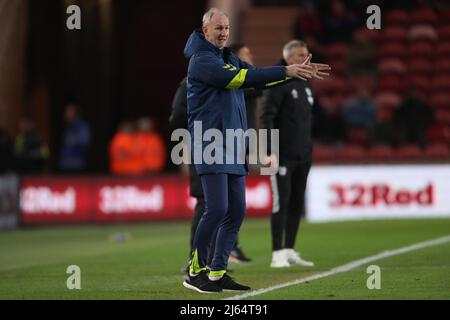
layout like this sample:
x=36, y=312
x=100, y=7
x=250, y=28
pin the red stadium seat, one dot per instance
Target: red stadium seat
x=336, y=51
x=437, y=152
x=331, y=85
x=357, y=136
x=421, y=49
x=328, y=101
x=396, y=17
x=439, y=134
x=420, y=66
x=444, y=32
x=425, y=16
x=389, y=100
x=421, y=82
x=443, y=49
x=441, y=82
x=391, y=83
x=381, y=153
x=351, y=154
x=442, y=66
x=422, y=32
x=392, y=50
x=391, y=65
x=395, y=33
x=339, y=67
x=440, y=100
x=373, y=35
x=442, y=116
x=409, y=152
x=323, y=154
x=444, y=16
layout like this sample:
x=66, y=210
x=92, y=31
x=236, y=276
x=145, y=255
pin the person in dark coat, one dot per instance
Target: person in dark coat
x=216, y=105
x=288, y=108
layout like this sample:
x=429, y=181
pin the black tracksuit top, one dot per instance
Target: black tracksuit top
x=288, y=108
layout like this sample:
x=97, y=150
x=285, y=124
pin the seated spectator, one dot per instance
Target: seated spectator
x=151, y=146
x=5, y=151
x=328, y=127
x=30, y=152
x=361, y=56
x=76, y=140
x=413, y=118
x=384, y=129
x=125, y=157
x=338, y=23
x=308, y=21
x=360, y=111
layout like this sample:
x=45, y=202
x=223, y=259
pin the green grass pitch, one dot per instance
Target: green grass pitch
x=33, y=261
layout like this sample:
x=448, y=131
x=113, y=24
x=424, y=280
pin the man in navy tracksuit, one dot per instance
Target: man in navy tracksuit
x=216, y=101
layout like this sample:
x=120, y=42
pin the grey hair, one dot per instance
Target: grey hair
x=292, y=45
x=209, y=14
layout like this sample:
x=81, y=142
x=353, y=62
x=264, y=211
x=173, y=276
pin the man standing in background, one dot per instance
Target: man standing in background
x=77, y=138
x=288, y=108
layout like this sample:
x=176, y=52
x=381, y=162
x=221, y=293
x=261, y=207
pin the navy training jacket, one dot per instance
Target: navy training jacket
x=215, y=80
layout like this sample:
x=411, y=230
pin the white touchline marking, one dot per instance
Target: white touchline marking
x=346, y=267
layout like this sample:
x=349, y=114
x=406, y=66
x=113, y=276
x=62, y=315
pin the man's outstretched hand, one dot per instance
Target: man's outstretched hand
x=319, y=69
x=301, y=71
x=308, y=70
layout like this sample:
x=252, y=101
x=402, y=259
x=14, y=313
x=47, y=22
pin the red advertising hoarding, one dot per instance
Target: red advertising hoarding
x=108, y=199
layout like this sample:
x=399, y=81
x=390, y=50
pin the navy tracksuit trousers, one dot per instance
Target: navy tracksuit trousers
x=224, y=212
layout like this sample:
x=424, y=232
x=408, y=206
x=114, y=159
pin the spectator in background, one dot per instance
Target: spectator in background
x=151, y=147
x=384, y=130
x=338, y=23
x=328, y=126
x=125, y=158
x=360, y=111
x=288, y=108
x=30, y=152
x=6, y=150
x=361, y=57
x=76, y=141
x=308, y=21
x=413, y=118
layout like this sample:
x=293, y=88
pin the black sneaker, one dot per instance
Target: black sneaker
x=228, y=284
x=201, y=283
x=238, y=256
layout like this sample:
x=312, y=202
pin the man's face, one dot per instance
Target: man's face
x=245, y=55
x=298, y=55
x=217, y=30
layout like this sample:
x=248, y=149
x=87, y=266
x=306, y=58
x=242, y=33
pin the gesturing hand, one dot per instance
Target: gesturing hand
x=301, y=71
x=318, y=69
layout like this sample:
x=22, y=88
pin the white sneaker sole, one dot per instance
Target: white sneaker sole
x=189, y=286
x=280, y=265
x=302, y=264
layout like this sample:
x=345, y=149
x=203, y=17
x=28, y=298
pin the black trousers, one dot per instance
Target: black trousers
x=288, y=191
